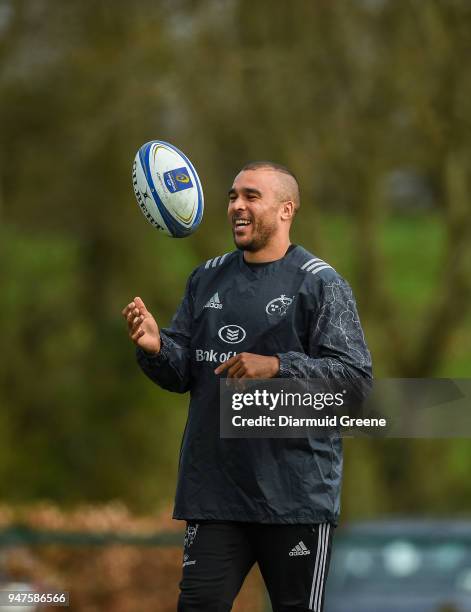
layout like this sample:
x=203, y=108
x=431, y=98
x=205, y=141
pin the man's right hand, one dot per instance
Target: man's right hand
x=142, y=327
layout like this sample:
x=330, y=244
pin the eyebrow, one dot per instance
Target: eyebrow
x=246, y=191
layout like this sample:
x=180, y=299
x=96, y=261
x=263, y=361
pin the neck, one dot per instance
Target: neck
x=271, y=252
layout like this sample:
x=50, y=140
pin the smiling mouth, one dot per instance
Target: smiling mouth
x=241, y=223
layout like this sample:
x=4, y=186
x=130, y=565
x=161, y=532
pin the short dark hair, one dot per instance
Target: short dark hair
x=258, y=165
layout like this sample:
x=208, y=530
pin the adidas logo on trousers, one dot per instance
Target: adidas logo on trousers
x=299, y=549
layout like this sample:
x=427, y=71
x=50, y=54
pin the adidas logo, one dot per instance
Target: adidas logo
x=299, y=549
x=214, y=302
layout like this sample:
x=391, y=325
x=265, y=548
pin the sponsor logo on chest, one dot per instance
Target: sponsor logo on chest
x=232, y=334
x=212, y=356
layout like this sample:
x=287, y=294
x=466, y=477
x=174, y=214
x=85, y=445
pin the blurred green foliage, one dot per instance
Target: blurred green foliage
x=366, y=100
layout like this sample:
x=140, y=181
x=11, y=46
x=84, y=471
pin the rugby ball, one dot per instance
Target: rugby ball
x=167, y=189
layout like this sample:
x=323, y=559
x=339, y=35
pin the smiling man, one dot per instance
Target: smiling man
x=268, y=309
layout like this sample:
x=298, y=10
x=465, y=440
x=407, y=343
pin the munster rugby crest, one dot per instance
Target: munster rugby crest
x=279, y=305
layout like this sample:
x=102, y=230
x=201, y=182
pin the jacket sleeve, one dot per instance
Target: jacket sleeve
x=337, y=348
x=170, y=368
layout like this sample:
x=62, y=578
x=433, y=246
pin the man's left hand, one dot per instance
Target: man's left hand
x=249, y=365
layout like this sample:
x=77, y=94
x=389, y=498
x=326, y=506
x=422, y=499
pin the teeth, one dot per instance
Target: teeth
x=242, y=222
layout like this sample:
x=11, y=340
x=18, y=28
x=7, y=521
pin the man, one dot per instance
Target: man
x=268, y=309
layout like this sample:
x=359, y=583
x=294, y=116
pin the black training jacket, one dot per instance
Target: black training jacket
x=297, y=308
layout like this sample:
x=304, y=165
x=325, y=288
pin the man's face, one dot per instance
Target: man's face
x=254, y=209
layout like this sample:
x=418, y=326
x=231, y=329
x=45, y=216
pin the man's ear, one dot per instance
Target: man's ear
x=287, y=210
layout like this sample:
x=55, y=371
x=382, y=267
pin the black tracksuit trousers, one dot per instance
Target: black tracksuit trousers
x=293, y=560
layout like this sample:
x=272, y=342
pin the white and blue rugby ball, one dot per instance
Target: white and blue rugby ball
x=167, y=189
